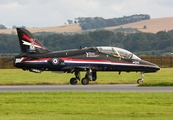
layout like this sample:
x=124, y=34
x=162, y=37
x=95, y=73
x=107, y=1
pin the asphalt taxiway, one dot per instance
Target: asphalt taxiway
x=84, y=88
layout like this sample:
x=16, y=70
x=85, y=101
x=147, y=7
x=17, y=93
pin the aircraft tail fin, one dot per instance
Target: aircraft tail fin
x=29, y=43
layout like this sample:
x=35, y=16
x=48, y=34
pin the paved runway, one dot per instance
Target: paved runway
x=84, y=88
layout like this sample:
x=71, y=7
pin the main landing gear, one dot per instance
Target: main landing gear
x=90, y=76
x=73, y=81
x=140, y=80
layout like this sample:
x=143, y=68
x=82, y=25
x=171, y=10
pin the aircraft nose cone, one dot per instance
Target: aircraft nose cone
x=150, y=67
x=157, y=67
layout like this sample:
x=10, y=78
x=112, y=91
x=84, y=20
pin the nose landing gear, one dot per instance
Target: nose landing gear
x=140, y=80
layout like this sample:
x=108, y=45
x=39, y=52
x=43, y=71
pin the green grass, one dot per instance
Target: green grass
x=86, y=106
x=19, y=77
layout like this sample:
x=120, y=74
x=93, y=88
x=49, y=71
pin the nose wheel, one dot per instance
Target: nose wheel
x=140, y=80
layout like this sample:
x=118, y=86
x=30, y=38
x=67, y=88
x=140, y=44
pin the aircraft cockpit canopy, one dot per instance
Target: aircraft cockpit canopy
x=118, y=52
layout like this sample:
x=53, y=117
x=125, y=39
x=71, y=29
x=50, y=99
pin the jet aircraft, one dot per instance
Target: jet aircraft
x=35, y=57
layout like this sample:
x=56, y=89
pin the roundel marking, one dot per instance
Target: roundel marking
x=55, y=61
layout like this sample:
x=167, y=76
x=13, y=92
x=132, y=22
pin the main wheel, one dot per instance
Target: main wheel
x=73, y=81
x=139, y=81
x=84, y=81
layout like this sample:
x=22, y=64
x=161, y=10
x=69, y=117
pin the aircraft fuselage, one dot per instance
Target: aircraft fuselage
x=82, y=59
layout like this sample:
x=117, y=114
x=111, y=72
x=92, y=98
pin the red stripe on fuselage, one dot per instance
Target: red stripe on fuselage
x=38, y=59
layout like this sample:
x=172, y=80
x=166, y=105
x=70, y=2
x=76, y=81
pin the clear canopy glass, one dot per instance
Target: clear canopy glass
x=118, y=52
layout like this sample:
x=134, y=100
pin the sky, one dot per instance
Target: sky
x=45, y=13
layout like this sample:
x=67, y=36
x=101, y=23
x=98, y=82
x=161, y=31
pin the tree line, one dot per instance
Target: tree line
x=140, y=43
x=99, y=22
x=13, y=27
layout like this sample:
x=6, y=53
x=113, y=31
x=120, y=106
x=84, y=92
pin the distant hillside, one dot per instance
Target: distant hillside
x=87, y=23
x=152, y=26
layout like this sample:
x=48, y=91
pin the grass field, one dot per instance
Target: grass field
x=19, y=77
x=86, y=106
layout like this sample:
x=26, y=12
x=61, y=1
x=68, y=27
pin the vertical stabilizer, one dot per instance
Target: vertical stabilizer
x=29, y=43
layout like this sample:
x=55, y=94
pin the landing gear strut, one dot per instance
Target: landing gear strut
x=140, y=80
x=90, y=76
